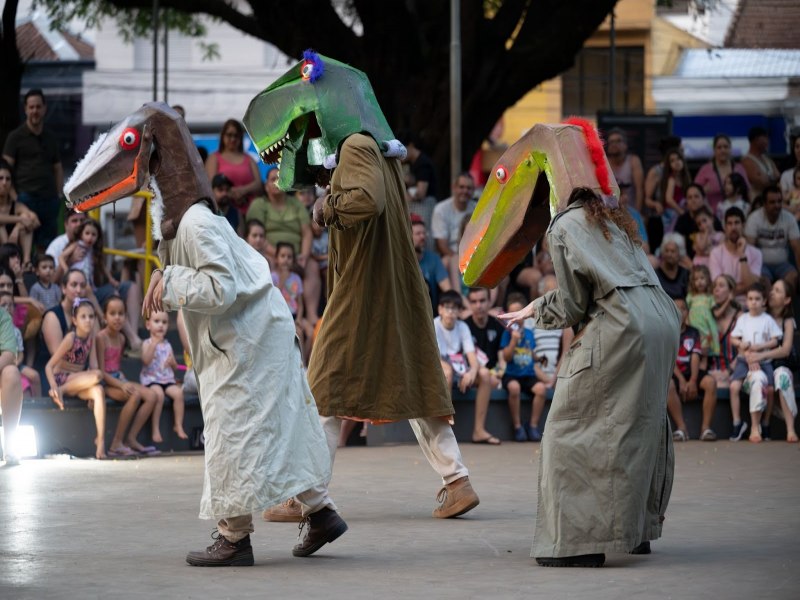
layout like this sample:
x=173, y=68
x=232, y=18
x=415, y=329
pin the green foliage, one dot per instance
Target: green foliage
x=131, y=22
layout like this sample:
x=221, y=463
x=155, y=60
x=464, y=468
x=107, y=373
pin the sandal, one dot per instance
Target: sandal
x=709, y=436
x=679, y=435
x=491, y=440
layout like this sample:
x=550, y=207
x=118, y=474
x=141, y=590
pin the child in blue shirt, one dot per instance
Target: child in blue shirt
x=522, y=373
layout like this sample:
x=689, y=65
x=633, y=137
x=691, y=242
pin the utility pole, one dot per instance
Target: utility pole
x=455, y=88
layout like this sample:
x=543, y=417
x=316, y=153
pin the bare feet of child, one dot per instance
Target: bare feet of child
x=57, y=399
x=134, y=445
x=755, y=437
x=100, y=454
x=791, y=438
x=156, y=436
x=180, y=433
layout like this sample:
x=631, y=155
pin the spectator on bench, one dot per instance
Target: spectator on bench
x=10, y=388
x=460, y=363
x=735, y=257
x=486, y=332
x=72, y=369
x=138, y=401
x=784, y=359
x=688, y=379
x=29, y=377
x=158, y=362
x=726, y=310
x=433, y=270
x=55, y=323
x=774, y=230
x=522, y=373
x=550, y=343
x=44, y=290
x=755, y=331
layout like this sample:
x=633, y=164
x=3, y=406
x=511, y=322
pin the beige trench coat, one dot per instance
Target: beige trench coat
x=375, y=356
x=263, y=440
x=606, y=464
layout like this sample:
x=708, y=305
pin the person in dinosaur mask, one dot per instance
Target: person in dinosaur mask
x=375, y=358
x=263, y=440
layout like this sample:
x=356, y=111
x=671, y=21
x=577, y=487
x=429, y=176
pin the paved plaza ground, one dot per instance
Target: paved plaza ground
x=120, y=529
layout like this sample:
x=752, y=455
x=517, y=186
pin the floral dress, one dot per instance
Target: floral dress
x=702, y=318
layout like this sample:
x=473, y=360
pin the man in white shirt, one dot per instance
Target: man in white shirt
x=774, y=231
x=62, y=248
x=448, y=217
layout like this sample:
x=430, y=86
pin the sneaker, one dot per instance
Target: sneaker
x=223, y=553
x=764, y=431
x=709, y=436
x=455, y=499
x=533, y=433
x=324, y=526
x=738, y=431
x=520, y=435
x=288, y=512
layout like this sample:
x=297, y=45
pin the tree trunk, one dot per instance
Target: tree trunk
x=11, y=69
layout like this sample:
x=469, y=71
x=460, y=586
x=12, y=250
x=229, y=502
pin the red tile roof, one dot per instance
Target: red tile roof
x=765, y=24
x=34, y=47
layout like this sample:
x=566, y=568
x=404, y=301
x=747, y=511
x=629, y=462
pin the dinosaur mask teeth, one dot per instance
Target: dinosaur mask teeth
x=88, y=197
x=272, y=154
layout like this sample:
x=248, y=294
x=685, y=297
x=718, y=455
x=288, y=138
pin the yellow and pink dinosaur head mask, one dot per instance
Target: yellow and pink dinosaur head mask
x=528, y=185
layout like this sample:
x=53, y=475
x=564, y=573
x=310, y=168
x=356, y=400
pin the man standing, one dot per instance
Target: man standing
x=774, y=231
x=448, y=217
x=33, y=152
x=735, y=257
x=761, y=170
x=627, y=168
x=422, y=168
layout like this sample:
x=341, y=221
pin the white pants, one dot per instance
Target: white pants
x=435, y=437
x=756, y=385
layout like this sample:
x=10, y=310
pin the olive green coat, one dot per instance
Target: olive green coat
x=606, y=464
x=376, y=356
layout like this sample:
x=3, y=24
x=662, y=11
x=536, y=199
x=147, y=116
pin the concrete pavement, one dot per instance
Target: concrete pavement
x=120, y=529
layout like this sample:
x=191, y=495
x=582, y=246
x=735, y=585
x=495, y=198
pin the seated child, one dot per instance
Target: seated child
x=754, y=331
x=44, y=290
x=157, y=374
x=688, y=379
x=31, y=382
x=521, y=373
x=73, y=370
x=110, y=344
x=460, y=362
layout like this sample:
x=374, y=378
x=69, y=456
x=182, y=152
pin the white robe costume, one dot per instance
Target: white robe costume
x=263, y=439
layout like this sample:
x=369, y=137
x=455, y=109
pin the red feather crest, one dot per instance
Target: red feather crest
x=596, y=152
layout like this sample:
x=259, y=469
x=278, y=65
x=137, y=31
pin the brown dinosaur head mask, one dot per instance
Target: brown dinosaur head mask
x=151, y=144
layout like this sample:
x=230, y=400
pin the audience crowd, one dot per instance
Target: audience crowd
x=725, y=245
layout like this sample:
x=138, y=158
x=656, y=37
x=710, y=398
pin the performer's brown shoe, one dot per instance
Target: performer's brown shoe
x=455, y=499
x=223, y=553
x=288, y=512
x=324, y=526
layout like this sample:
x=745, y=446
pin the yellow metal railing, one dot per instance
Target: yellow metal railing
x=151, y=261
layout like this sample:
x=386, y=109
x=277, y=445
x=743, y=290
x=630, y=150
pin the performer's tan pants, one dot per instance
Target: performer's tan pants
x=436, y=440
x=236, y=528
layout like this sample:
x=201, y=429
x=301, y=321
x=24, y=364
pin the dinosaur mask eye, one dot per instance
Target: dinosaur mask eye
x=306, y=70
x=501, y=173
x=129, y=139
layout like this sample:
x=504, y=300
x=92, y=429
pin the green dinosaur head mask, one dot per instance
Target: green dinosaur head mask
x=300, y=120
